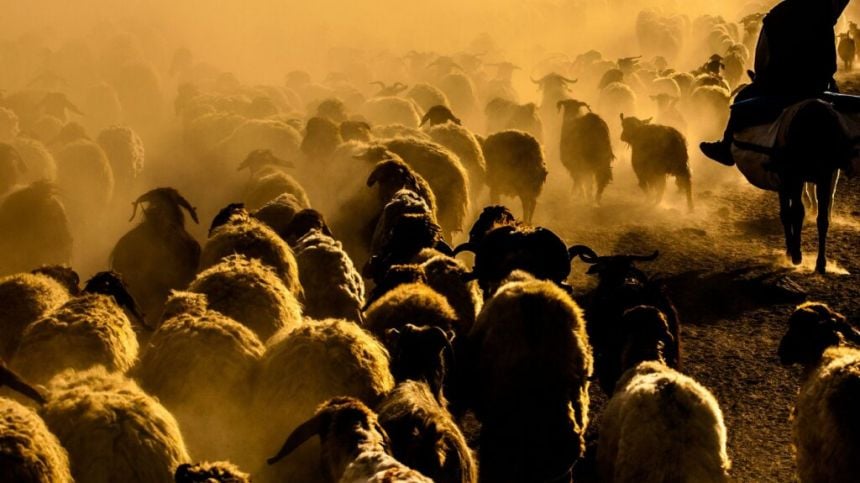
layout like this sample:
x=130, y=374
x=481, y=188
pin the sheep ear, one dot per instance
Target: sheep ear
x=621, y=115
x=181, y=201
x=648, y=121
x=374, y=176
x=304, y=432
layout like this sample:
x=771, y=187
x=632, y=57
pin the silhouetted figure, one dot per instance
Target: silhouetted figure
x=795, y=59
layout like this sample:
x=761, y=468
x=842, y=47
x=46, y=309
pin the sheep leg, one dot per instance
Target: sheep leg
x=529, y=206
x=825, y=203
x=659, y=189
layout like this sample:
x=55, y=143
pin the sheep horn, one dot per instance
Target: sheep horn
x=192, y=211
x=134, y=210
x=444, y=248
x=424, y=119
x=374, y=176
x=73, y=107
x=465, y=247
x=585, y=253
x=13, y=381
x=645, y=258
x=540, y=81
x=572, y=81
x=304, y=432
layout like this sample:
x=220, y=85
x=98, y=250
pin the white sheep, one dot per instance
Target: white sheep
x=199, y=364
x=234, y=231
x=112, y=430
x=250, y=293
x=824, y=427
x=303, y=368
x=660, y=425
x=31, y=453
x=27, y=297
x=88, y=330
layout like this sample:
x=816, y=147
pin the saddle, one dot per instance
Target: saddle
x=763, y=119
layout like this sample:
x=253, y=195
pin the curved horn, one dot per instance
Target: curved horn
x=375, y=175
x=192, y=211
x=645, y=258
x=540, y=81
x=73, y=107
x=425, y=118
x=11, y=380
x=571, y=81
x=444, y=248
x=304, y=432
x=465, y=247
x=583, y=252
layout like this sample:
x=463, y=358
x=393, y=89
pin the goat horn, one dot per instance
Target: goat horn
x=465, y=247
x=583, y=252
x=645, y=258
x=304, y=432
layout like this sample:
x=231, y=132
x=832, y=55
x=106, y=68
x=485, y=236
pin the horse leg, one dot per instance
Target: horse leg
x=825, y=204
x=810, y=200
x=791, y=213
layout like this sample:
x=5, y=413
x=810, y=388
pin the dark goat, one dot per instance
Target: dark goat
x=502, y=245
x=586, y=150
x=658, y=151
x=812, y=328
x=158, y=255
x=422, y=354
x=621, y=287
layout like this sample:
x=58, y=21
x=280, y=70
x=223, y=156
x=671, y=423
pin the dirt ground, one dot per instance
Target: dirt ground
x=725, y=268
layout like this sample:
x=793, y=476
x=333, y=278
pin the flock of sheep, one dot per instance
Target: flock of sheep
x=328, y=321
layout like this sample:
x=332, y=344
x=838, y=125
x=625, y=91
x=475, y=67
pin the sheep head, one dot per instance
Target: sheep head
x=490, y=218
x=259, y=158
x=439, y=115
x=346, y=427
x=164, y=204
x=110, y=283
x=303, y=223
x=646, y=335
x=421, y=354
x=812, y=328
x=615, y=269
x=571, y=107
x=631, y=127
x=233, y=211
x=63, y=274
x=392, y=176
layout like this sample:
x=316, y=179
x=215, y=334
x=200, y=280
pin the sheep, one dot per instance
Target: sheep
x=206, y=472
x=31, y=453
x=124, y=150
x=85, y=409
x=463, y=143
x=621, y=286
x=86, y=179
x=528, y=367
x=34, y=229
x=824, y=422
x=355, y=131
x=354, y=448
x=445, y=175
x=711, y=103
x=392, y=175
x=39, y=161
x=198, y=356
x=658, y=151
x=87, y=330
x=332, y=109
x=333, y=288
x=278, y=213
x=424, y=436
x=282, y=140
x=659, y=425
x=460, y=91
x=391, y=110
x=515, y=167
x=234, y=231
x=268, y=180
x=12, y=166
x=250, y=293
x=586, y=150
x=345, y=361
x=391, y=131
x=27, y=297
x=414, y=303
x=616, y=98
x=507, y=245
x=502, y=114
x=668, y=113
x=449, y=277
x=322, y=137
x=405, y=227
x=158, y=255
x=427, y=96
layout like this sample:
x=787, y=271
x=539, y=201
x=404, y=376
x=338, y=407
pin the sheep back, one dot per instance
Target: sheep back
x=333, y=287
x=411, y=303
x=26, y=298
x=250, y=293
x=112, y=429
x=29, y=453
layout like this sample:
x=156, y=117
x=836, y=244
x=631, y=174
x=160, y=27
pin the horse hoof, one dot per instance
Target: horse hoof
x=821, y=268
x=796, y=259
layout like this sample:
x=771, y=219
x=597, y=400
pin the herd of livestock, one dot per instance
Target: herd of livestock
x=317, y=321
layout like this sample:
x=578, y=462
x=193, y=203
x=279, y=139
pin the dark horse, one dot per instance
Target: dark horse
x=810, y=146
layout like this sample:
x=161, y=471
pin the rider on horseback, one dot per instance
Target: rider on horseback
x=795, y=59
